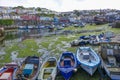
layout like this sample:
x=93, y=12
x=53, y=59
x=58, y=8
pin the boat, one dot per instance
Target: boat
x=48, y=69
x=67, y=65
x=79, y=42
x=8, y=71
x=94, y=40
x=110, y=56
x=29, y=68
x=88, y=59
x=103, y=38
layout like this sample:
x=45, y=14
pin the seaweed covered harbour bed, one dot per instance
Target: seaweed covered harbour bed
x=82, y=75
x=30, y=47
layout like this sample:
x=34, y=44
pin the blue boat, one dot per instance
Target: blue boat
x=29, y=68
x=67, y=64
x=88, y=59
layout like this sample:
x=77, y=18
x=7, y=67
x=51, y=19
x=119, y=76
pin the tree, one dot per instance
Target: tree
x=19, y=7
x=38, y=9
x=77, y=12
x=6, y=22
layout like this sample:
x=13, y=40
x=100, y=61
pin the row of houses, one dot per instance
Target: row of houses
x=25, y=13
x=89, y=15
x=19, y=10
x=31, y=14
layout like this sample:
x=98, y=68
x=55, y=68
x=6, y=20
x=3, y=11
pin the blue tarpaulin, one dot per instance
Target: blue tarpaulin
x=28, y=69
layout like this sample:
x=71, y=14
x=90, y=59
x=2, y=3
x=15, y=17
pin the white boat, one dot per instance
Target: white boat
x=110, y=54
x=88, y=59
x=48, y=69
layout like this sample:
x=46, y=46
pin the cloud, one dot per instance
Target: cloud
x=64, y=5
x=80, y=0
x=59, y=2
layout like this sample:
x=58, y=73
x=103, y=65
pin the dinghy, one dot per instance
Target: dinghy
x=29, y=69
x=67, y=64
x=88, y=59
x=110, y=55
x=48, y=69
x=8, y=71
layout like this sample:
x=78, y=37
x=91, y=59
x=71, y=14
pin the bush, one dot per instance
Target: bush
x=6, y=22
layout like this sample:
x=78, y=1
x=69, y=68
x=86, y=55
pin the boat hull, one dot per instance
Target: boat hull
x=67, y=75
x=90, y=66
x=33, y=62
x=67, y=71
x=89, y=69
x=112, y=76
x=45, y=67
x=9, y=68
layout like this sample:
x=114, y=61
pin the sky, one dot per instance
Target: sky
x=64, y=5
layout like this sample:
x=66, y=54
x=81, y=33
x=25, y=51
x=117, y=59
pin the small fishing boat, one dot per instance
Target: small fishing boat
x=48, y=69
x=88, y=59
x=29, y=68
x=110, y=55
x=103, y=38
x=94, y=40
x=67, y=64
x=8, y=71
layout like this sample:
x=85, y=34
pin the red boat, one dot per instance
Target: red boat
x=8, y=71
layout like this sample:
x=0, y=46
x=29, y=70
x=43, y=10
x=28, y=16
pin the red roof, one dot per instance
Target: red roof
x=29, y=17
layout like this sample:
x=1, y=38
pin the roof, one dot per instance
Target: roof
x=29, y=17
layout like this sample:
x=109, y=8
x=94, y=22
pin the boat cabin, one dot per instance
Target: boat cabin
x=67, y=61
x=6, y=76
x=110, y=54
x=85, y=56
x=28, y=69
x=52, y=62
x=112, y=60
x=7, y=71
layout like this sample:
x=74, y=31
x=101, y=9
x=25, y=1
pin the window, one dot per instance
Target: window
x=109, y=51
